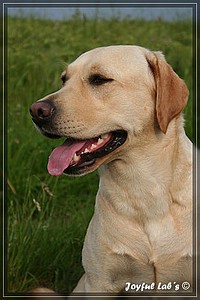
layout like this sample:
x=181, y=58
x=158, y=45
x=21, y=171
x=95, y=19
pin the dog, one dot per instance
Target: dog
x=120, y=109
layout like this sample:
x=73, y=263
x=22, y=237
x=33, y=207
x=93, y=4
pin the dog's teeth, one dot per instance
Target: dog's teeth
x=104, y=136
x=76, y=157
x=100, y=141
x=86, y=150
x=93, y=146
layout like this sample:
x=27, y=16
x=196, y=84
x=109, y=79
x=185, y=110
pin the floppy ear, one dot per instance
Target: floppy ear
x=171, y=90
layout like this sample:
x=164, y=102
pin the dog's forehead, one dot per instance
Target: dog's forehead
x=112, y=57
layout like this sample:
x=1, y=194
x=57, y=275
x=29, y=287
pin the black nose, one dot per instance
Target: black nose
x=42, y=111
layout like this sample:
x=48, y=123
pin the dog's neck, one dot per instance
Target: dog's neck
x=148, y=178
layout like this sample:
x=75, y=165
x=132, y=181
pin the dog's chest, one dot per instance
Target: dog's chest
x=155, y=240
x=169, y=236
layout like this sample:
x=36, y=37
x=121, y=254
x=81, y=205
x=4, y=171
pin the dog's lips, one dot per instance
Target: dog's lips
x=75, y=156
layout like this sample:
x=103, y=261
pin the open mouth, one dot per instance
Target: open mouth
x=75, y=157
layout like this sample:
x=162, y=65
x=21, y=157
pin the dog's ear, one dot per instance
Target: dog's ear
x=171, y=90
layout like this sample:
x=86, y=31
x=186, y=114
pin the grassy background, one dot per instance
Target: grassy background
x=47, y=216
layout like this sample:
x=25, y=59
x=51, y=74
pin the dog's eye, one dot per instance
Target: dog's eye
x=99, y=79
x=64, y=78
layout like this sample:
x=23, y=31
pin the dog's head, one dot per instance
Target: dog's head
x=109, y=95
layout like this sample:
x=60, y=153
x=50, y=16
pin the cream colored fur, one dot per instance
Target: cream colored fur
x=141, y=230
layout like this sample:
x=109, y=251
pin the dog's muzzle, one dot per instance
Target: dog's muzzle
x=74, y=156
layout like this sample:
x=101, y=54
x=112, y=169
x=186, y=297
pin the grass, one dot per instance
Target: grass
x=47, y=216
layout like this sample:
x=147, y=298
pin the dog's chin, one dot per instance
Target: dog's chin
x=84, y=156
x=85, y=168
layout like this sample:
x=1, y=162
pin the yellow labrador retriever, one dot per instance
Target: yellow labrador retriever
x=120, y=111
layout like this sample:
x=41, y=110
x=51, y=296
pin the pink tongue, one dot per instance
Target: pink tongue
x=61, y=157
